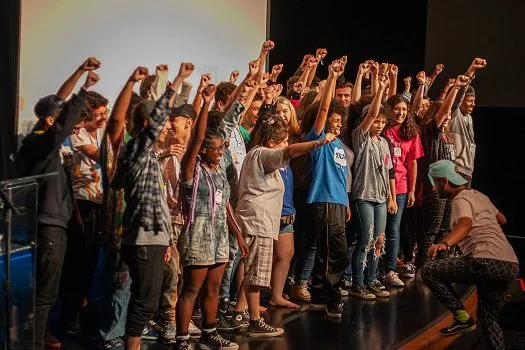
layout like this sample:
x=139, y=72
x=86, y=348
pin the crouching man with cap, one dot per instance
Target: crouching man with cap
x=488, y=261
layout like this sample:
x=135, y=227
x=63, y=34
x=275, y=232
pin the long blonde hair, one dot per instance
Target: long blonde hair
x=293, y=127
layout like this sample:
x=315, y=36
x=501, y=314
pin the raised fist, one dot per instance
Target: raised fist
x=320, y=54
x=383, y=68
x=91, y=79
x=205, y=80
x=161, y=68
x=336, y=69
x=364, y=67
x=312, y=61
x=140, y=73
x=383, y=81
x=233, y=76
x=393, y=69
x=462, y=80
x=253, y=67
x=208, y=93
x=90, y=64
x=267, y=46
x=277, y=69
x=421, y=77
x=479, y=63
x=186, y=69
x=249, y=86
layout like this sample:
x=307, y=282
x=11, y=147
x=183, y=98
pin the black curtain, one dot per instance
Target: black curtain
x=9, y=63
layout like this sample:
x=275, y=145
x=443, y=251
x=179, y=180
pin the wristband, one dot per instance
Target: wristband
x=445, y=243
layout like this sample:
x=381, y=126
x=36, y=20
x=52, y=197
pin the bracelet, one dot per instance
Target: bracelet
x=445, y=243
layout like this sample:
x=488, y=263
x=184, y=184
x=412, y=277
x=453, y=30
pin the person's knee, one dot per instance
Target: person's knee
x=212, y=288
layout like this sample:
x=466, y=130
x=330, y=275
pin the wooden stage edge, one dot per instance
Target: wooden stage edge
x=429, y=336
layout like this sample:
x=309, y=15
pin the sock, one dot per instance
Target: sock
x=182, y=336
x=209, y=328
x=461, y=315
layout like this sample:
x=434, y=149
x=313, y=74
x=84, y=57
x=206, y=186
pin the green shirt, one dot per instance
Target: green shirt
x=246, y=136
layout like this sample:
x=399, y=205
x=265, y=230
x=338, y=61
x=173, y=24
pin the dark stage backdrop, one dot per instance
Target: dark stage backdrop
x=398, y=34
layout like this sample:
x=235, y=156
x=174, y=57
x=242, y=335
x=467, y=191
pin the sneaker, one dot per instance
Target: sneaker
x=344, y=286
x=183, y=344
x=225, y=308
x=212, y=340
x=393, y=279
x=458, y=327
x=361, y=292
x=168, y=334
x=300, y=293
x=334, y=310
x=194, y=331
x=116, y=343
x=260, y=329
x=378, y=285
x=409, y=271
x=149, y=332
x=372, y=288
x=239, y=320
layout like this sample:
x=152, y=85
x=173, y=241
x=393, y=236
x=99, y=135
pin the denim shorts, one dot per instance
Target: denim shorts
x=286, y=228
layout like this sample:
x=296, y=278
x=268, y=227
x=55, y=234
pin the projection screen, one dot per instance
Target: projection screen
x=218, y=36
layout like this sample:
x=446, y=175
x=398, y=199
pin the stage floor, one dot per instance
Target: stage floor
x=380, y=324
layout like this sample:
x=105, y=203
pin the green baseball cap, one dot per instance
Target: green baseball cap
x=445, y=169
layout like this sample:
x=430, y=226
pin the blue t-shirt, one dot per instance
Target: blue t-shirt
x=287, y=175
x=329, y=171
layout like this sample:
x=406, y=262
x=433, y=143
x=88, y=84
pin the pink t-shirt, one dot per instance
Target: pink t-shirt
x=403, y=152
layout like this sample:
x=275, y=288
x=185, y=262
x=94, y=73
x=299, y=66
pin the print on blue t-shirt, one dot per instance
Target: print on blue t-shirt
x=287, y=175
x=329, y=169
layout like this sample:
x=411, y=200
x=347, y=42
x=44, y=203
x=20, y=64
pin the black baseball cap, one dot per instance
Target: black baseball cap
x=47, y=106
x=184, y=110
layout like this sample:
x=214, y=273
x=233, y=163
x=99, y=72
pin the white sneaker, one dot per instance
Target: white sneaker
x=194, y=331
x=393, y=279
x=409, y=271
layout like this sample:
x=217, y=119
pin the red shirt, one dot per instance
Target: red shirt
x=404, y=151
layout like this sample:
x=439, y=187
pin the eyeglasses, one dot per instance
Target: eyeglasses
x=101, y=114
x=216, y=149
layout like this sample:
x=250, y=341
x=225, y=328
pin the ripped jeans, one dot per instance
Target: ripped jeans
x=371, y=224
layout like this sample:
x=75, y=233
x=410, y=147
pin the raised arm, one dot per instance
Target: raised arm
x=67, y=87
x=375, y=106
x=276, y=71
x=374, y=77
x=232, y=117
x=418, y=97
x=477, y=63
x=444, y=92
x=190, y=157
x=197, y=101
x=161, y=81
x=437, y=71
x=356, y=91
x=319, y=55
x=393, y=72
x=253, y=69
x=266, y=47
x=335, y=70
x=446, y=107
x=117, y=118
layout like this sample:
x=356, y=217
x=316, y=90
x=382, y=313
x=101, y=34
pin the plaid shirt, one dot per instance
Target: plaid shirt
x=139, y=171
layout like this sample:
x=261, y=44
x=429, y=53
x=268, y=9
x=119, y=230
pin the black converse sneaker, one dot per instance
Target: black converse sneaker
x=183, y=344
x=458, y=327
x=260, y=329
x=212, y=340
x=334, y=310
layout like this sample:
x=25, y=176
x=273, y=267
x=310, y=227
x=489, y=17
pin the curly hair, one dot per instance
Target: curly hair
x=409, y=128
x=210, y=135
x=96, y=100
x=311, y=113
x=223, y=91
x=293, y=126
x=268, y=128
